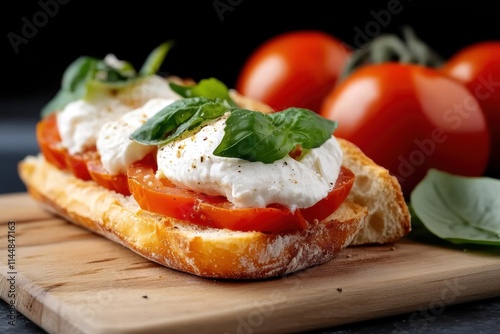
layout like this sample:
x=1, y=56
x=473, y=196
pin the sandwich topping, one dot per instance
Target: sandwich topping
x=80, y=121
x=189, y=163
x=116, y=150
x=189, y=152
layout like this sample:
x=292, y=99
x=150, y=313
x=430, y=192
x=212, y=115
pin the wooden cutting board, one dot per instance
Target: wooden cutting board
x=68, y=280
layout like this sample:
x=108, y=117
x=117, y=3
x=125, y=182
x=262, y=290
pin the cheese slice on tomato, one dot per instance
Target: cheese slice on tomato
x=189, y=163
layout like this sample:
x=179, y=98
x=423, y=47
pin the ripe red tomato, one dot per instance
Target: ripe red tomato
x=161, y=196
x=409, y=118
x=478, y=67
x=294, y=69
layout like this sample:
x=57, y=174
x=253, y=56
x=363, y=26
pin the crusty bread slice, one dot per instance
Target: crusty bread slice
x=376, y=189
x=207, y=252
x=375, y=212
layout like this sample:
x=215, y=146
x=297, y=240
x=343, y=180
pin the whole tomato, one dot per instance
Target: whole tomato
x=294, y=69
x=409, y=118
x=478, y=67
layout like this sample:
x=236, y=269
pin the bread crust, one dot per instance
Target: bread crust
x=375, y=188
x=180, y=245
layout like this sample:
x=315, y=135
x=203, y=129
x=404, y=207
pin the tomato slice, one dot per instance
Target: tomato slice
x=334, y=199
x=97, y=172
x=77, y=164
x=49, y=141
x=163, y=197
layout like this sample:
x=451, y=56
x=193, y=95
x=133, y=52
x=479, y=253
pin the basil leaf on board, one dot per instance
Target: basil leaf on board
x=255, y=136
x=88, y=75
x=462, y=210
x=210, y=88
x=177, y=118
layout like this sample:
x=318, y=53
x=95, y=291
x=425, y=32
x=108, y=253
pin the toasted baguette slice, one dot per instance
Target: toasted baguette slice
x=207, y=252
x=376, y=189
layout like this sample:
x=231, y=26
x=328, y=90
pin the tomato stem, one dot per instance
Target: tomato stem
x=390, y=47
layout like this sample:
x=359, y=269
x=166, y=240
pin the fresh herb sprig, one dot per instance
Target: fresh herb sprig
x=209, y=88
x=248, y=135
x=459, y=209
x=88, y=74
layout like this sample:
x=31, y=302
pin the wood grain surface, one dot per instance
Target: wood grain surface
x=68, y=280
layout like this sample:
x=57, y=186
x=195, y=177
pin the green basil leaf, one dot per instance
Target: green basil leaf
x=108, y=72
x=252, y=136
x=73, y=86
x=304, y=127
x=78, y=72
x=88, y=75
x=255, y=136
x=177, y=118
x=210, y=88
x=461, y=210
x=156, y=58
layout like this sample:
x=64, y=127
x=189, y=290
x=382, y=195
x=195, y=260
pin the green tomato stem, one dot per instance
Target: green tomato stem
x=390, y=47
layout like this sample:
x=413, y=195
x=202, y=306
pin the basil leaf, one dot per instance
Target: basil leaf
x=88, y=75
x=255, y=136
x=177, y=118
x=155, y=59
x=303, y=127
x=461, y=210
x=113, y=70
x=78, y=72
x=210, y=88
x=252, y=136
x=73, y=86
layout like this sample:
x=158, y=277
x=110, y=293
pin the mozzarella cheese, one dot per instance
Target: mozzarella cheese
x=80, y=121
x=107, y=122
x=116, y=149
x=189, y=163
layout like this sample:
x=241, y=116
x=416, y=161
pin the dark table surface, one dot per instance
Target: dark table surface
x=17, y=139
x=475, y=317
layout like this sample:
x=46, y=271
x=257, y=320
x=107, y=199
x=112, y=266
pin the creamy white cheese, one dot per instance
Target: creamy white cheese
x=117, y=151
x=80, y=121
x=190, y=163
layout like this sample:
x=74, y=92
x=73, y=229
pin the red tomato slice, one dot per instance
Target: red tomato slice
x=163, y=197
x=77, y=164
x=50, y=145
x=97, y=172
x=49, y=141
x=335, y=198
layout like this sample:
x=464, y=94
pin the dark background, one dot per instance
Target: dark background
x=207, y=45
x=42, y=37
